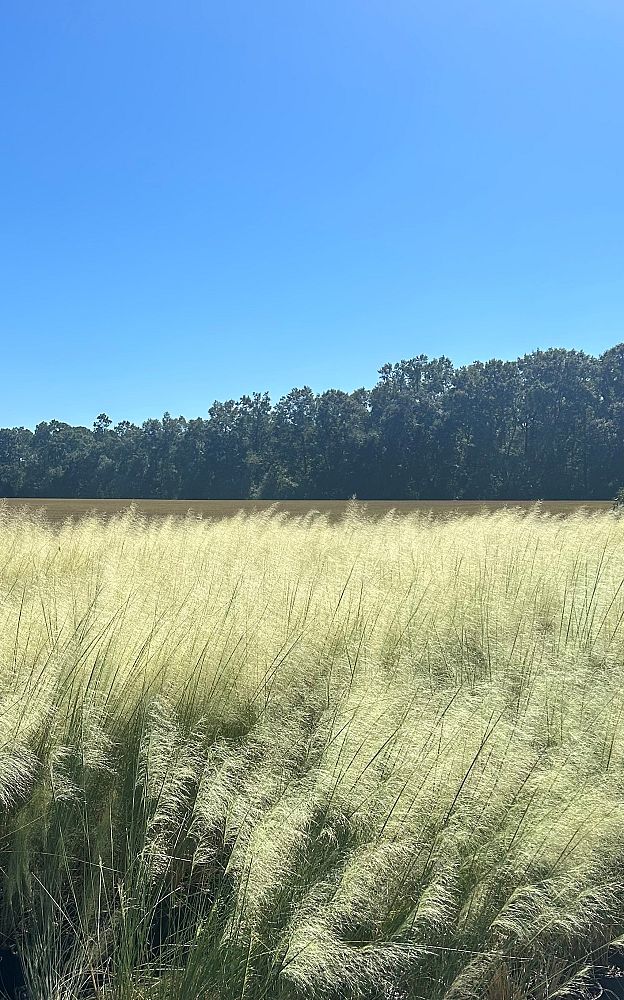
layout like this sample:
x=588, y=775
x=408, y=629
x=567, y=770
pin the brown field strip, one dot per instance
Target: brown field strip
x=56, y=510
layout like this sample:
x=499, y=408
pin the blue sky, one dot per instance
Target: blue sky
x=201, y=199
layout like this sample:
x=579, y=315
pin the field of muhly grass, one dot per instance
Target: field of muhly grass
x=274, y=756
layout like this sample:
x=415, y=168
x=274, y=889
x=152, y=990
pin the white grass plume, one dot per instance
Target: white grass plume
x=363, y=758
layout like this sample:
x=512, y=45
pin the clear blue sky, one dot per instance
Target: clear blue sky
x=206, y=198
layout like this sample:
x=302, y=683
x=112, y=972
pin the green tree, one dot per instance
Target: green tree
x=407, y=414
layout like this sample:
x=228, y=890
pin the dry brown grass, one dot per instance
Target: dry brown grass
x=56, y=510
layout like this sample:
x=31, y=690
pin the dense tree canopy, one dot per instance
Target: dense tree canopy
x=549, y=425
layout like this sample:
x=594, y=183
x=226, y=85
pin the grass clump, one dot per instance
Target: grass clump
x=278, y=757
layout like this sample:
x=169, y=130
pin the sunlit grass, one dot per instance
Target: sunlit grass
x=281, y=757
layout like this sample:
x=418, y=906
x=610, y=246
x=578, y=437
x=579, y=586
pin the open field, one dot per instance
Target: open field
x=281, y=758
x=59, y=510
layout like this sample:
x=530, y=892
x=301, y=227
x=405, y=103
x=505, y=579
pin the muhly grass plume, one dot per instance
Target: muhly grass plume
x=272, y=756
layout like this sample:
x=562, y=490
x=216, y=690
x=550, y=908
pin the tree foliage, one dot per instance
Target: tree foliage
x=549, y=425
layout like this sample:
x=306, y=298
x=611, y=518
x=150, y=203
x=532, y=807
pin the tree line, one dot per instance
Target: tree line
x=547, y=426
